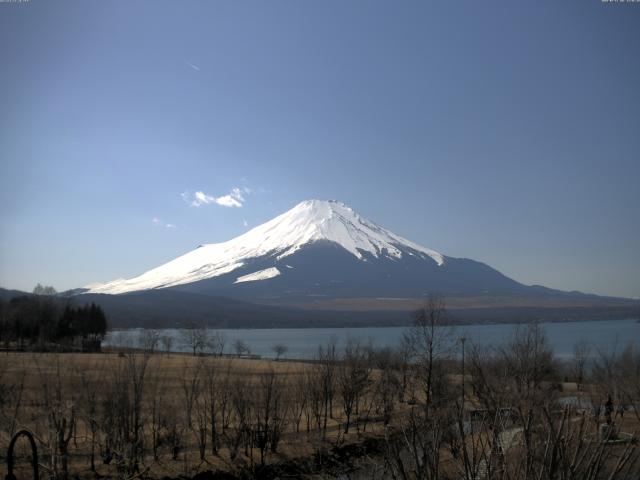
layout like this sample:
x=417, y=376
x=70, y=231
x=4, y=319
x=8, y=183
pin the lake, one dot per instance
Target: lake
x=303, y=342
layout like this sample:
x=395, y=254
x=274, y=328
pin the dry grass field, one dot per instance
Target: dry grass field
x=410, y=414
x=175, y=411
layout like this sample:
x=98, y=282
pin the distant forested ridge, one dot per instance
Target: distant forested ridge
x=44, y=321
x=169, y=308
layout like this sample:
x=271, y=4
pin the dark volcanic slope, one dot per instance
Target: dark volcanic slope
x=324, y=270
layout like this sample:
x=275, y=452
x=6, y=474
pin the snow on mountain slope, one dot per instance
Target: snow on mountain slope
x=259, y=275
x=308, y=222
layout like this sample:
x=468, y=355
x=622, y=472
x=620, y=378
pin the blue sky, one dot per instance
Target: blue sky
x=506, y=132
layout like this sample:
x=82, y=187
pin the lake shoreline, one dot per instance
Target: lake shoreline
x=302, y=343
x=393, y=325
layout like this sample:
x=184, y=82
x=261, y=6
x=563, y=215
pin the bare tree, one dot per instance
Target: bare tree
x=509, y=381
x=431, y=340
x=167, y=343
x=213, y=384
x=157, y=411
x=89, y=403
x=617, y=375
x=224, y=394
x=122, y=413
x=326, y=378
x=241, y=348
x=299, y=400
x=148, y=340
x=202, y=410
x=11, y=397
x=216, y=343
x=191, y=385
x=242, y=409
x=388, y=386
x=314, y=382
x=44, y=291
x=630, y=373
x=414, y=448
x=353, y=377
x=60, y=407
x=404, y=354
x=175, y=432
x=136, y=367
x=270, y=413
x=279, y=349
x=581, y=353
x=195, y=338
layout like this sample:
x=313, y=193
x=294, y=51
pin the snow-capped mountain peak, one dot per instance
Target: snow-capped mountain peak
x=315, y=220
x=308, y=222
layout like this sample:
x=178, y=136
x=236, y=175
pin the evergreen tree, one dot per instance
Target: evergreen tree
x=44, y=319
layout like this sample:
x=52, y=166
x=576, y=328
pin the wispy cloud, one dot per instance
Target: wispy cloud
x=235, y=198
x=159, y=223
x=193, y=65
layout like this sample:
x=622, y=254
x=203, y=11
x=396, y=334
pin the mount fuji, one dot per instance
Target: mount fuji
x=322, y=264
x=316, y=251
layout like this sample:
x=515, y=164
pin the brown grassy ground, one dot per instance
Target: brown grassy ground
x=166, y=375
x=169, y=372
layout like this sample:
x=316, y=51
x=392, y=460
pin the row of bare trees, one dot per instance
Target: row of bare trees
x=493, y=413
x=501, y=417
x=193, y=339
x=124, y=412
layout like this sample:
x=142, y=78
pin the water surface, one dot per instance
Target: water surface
x=303, y=343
